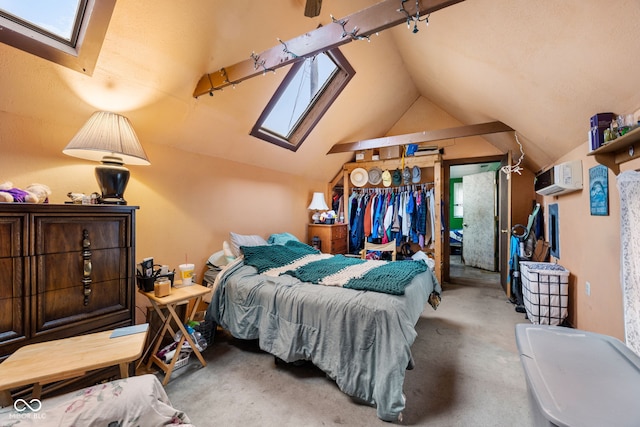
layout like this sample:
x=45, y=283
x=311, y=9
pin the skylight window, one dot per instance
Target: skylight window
x=306, y=93
x=299, y=93
x=67, y=32
x=55, y=18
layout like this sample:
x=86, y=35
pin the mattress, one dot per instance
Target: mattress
x=360, y=339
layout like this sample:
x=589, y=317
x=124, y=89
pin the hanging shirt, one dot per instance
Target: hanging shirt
x=367, y=218
x=377, y=218
x=421, y=217
x=432, y=207
x=395, y=227
x=352, y=209
x=357, y=231
x=408, y=210
x=428, y=233
x=388, y=220
x=414, y=217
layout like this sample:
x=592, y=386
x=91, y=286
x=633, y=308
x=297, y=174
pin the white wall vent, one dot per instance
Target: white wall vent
x=560, y=179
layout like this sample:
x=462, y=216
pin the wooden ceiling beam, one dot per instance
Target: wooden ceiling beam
x=364, y=23
x=421, y=137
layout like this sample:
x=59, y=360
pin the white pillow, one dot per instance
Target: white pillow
x=228, y=253
x=238, y=240
x=218, y=259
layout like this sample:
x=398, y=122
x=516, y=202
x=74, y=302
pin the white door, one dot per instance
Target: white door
x=479, y=220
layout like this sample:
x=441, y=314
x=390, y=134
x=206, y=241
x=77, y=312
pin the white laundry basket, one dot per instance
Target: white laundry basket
x=545, y=291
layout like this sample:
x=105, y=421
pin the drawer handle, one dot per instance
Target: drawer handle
x=87, y=268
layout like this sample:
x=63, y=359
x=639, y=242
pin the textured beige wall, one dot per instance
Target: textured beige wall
x=590, y=250
x=188, y=202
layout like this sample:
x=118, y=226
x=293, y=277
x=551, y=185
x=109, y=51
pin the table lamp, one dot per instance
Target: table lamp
x=109, y=138
x=317, y=204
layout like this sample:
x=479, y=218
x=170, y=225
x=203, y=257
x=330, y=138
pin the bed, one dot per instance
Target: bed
x=360, y=338
x=455, y=241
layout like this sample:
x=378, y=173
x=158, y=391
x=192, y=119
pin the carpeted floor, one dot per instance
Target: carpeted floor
x=460, y=274
x=467, y=373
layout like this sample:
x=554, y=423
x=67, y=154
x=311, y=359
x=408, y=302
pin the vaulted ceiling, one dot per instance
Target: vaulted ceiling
x=542, y=68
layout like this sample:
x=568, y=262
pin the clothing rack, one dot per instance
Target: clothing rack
x=432, y=162
x=407, y=215
x=400, y=188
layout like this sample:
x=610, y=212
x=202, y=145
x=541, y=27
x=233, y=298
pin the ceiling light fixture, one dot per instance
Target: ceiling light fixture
x=413, y=18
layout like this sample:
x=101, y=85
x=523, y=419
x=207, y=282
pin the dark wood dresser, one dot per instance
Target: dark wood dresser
x=64, y=270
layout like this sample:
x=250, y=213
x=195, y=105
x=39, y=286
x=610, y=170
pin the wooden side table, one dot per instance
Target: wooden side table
x=192, y=295
x=332, y=236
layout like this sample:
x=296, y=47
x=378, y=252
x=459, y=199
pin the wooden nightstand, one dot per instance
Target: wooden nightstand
x=332, y=236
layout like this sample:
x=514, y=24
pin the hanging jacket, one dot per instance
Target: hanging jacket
x=367, y=218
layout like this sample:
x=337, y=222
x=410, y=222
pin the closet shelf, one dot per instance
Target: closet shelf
x=391, y=164
x=618, y=151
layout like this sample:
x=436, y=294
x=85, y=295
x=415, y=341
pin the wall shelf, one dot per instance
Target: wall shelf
x=618, y=151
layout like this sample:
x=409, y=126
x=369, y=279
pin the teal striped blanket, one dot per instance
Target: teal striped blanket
x=309, y=265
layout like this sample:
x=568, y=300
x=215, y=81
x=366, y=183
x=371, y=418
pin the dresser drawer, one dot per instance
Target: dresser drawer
x=333, y=237
x=54, y=234
x=339, y=247
x=340, y=232
x=12, y=236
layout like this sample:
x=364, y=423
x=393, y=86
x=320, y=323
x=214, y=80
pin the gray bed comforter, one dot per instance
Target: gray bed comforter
x=361, y=339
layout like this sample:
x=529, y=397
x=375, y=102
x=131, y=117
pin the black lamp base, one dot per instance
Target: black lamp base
x=111, y=201
x=112, y=179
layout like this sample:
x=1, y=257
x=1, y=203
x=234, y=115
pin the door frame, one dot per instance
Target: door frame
x=446, y=197
x=505, y=216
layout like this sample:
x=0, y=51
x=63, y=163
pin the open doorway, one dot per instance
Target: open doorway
x=471, y=207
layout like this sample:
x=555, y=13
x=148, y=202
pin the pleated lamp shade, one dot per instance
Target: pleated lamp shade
x=109, y=138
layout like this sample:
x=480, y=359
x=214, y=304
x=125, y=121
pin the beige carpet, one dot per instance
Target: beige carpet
x=467, y=373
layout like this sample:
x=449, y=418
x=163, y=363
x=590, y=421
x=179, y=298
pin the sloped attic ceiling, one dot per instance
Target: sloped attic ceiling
x=542, y=68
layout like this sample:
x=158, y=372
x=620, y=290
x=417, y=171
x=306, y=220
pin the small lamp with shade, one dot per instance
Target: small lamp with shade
x=317, y=204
